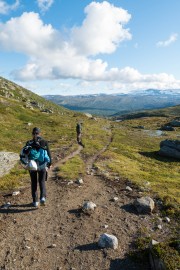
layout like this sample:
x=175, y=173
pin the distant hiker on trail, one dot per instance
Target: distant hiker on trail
x=39, y=153
x=79, y=132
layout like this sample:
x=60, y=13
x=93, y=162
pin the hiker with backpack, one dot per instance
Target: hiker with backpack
x=79, y=132
x=36, y=157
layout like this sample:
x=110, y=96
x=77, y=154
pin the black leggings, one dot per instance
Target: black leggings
x=35, y=177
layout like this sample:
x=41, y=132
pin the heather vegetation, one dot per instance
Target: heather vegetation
x=130, y=147
x=132, y=154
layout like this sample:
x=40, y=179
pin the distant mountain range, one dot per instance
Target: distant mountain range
x=108, y=105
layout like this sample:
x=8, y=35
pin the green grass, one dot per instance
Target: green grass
x=16, y=178
x=72, y=169
x=133, y=155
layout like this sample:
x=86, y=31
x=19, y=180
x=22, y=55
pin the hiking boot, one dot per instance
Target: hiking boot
x=43, y=201
x=35, y=204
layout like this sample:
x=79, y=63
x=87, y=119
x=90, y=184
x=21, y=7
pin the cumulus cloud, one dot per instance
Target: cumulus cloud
x=102, y=30
x=167, y=42
x=27, y=34
x=6, y=8
x=52, y=56
x=44, y=5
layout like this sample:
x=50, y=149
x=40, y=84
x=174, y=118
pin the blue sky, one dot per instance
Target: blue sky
x=70, y=47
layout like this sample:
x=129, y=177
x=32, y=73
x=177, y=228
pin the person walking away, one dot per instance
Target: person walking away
x=39, y=175
x=79, y=132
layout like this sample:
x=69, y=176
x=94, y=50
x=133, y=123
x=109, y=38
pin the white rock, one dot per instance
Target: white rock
x=80, y=181
x=6, y=206
x=88, y=115
x=108, y=241
x=89, y=206
x=167, y=219
x=154, y=242
x=70, y=183
x=15, y=193
x=128, y=188
x=159, y=227
x=52, y=246
x=115, y=199
x=144, y=205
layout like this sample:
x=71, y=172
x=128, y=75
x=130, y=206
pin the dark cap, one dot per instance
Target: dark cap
x=36, y=130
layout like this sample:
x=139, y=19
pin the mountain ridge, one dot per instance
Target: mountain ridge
x=110, y=104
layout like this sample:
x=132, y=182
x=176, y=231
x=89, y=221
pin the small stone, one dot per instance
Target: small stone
x=80, y=181
x=115, y=199
x=88, y=206
x=6, y=206
x=15, y=193
x=128, y=188
x=167, y=219
x=159, y=227
x=154, y=242
x=52, y=246
x=70, y=183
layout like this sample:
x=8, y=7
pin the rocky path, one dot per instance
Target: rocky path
x=60, y=236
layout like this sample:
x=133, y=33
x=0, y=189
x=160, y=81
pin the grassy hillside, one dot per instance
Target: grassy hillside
x=165, y=112
x=21, y=110
x=132, y=154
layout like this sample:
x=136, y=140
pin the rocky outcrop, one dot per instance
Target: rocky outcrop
x=167, y=128
x=7, y=160
x=175, y=123
x=170, y=148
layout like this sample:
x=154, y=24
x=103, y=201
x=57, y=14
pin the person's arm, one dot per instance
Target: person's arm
x=49, y=153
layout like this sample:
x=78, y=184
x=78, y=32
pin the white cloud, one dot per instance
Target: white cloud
x=51, y=56
x=44, y=5
x=26, y=34
x=6, y=8
x=102, y=30
x=167, y=42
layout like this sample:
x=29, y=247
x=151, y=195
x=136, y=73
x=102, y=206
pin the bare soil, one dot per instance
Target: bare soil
x=60, y=236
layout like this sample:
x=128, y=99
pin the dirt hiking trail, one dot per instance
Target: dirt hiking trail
x=60, y=236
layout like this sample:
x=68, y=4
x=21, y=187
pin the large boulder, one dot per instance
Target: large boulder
x=108, y=241
x=144, y=205
x=167, y=128
x=175, y=123
x=170, y=148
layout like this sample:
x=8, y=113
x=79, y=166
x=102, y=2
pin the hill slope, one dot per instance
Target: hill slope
x=116, y=155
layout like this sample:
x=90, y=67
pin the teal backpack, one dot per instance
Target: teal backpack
x=34, y=154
